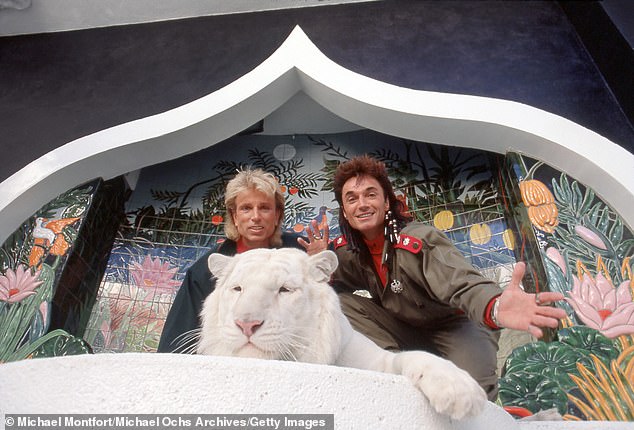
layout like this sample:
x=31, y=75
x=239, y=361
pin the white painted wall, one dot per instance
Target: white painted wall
x=302, y=115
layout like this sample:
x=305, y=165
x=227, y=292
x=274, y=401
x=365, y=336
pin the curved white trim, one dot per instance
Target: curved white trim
x=449, y=119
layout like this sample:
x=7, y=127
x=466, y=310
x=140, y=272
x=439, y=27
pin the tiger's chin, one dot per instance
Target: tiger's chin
x=250, y=350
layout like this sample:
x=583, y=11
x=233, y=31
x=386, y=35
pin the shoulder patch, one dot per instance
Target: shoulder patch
x=409, y=243
x=340, y=241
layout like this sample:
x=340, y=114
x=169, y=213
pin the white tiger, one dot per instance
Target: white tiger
x=277, y=304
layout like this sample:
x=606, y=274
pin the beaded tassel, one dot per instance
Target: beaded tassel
x=391, y=228
x=391, y=235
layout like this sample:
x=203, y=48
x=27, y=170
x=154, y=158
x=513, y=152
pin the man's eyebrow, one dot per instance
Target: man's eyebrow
x=365, y=190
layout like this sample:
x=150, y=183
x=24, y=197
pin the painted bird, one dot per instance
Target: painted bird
x=47, y=235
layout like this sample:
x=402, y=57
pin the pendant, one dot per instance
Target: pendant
x=396, y=287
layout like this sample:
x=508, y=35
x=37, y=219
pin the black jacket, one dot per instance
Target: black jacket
x=197, y=285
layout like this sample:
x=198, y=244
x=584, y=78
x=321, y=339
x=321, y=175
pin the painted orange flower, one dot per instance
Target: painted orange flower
x=18, y=285
x=540, y=203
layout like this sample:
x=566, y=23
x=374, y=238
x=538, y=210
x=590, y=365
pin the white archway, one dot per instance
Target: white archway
x=448, y=119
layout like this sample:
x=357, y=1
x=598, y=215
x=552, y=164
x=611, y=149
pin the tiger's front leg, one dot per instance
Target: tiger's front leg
x=450, y=390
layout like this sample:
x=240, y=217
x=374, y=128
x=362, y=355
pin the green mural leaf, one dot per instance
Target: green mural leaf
x=62, y=345
x=615, y=235
x=553, y=361
x=54, y=344
x=532, y=391
x=586, y=341
x=625, y=247
x=38, y=326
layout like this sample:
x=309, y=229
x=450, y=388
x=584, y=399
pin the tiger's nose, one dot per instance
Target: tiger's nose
x=249, y=327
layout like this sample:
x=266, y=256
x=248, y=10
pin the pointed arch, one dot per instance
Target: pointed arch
x=298, y=65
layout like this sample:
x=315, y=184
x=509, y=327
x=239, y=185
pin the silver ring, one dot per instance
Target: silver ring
x=537, y=300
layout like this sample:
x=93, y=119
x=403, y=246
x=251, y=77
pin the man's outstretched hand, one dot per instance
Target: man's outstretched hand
x=528, y=312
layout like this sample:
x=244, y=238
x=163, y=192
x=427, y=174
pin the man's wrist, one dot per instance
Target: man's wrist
x=494, y=312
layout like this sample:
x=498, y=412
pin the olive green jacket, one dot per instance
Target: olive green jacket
x=436, y=280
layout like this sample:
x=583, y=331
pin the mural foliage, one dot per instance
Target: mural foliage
x=31, y=262
x=587, y=373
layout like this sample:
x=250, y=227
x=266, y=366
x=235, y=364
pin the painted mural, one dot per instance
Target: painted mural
x=587, y=371
x=176, y=213
x=32, y=261
x=496, y=210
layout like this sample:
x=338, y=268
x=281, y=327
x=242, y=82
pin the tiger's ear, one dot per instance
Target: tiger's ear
x=322, y=265
x=218, y=264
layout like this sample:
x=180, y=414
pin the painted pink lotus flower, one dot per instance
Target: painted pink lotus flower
x=18, y=285
x=154, y=277
x=601, y=306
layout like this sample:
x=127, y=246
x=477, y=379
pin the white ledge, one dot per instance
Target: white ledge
x=298, y=66
x=138, y=383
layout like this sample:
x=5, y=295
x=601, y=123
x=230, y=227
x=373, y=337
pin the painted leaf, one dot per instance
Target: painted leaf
x=532, y=391
x=61, y=344
x=552, y=361
x=586, y=341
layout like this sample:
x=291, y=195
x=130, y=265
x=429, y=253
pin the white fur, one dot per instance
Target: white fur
x=288, y=291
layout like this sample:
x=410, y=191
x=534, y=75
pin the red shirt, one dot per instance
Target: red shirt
x=376, y=251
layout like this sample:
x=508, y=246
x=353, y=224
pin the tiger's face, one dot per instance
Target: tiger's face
x=271, y=304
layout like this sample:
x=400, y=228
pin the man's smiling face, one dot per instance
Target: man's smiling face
x=255, y=218
x=364, y=205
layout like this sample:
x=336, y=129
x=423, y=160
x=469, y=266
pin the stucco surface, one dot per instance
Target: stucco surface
x=138, y=383
x=185, y=384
